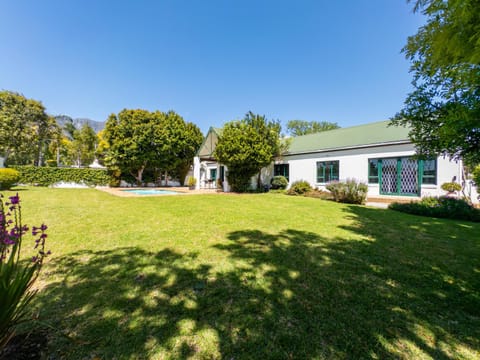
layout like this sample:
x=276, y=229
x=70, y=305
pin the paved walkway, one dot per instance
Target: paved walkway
x=381, y=205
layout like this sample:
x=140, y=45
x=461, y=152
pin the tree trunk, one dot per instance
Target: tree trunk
x=7, y=153
x=166, y=178
x=139, y=175
x=58, y=155
x=259, y=179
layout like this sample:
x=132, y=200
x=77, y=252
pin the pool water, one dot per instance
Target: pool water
x=152, y=192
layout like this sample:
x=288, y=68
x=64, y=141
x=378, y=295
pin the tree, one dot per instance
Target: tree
x=46, y=132
x=82, y=147
x=302, y=127
x=102, y=146
x=186, y=147
x=246, y=146
x=137, y=140
x=23, y=123
x=129, y=135
x=443, y=111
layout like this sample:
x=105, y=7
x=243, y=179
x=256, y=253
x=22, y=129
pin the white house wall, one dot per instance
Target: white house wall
x=353, y=164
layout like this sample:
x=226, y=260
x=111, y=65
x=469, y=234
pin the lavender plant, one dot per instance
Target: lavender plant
x=17, y=275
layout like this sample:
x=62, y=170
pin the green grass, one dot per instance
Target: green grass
x=264, y=276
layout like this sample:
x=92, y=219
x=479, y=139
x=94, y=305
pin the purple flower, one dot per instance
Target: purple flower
x=14, y=200
x=8, y=241
x=43, y=227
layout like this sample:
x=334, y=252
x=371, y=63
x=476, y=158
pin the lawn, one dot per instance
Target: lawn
x=263, y=276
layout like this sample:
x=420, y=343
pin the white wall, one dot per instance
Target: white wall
x=353, y=164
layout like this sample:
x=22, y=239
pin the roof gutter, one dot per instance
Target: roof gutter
x=399, y=142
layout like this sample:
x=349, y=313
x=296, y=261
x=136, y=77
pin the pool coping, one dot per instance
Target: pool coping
x=180, y=191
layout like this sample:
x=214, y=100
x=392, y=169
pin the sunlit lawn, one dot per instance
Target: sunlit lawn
x=252, y=277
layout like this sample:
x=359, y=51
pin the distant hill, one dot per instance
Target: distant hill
x=78, y=122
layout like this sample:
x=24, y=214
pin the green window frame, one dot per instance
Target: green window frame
x=281, y=170
x=328, y=171
x=213, y=174
x=373, y=171
x=429, y=171
x=395, y=176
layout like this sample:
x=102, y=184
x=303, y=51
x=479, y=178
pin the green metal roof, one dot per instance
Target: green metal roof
x=378, y=133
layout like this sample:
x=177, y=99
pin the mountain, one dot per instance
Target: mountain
x=78, y=122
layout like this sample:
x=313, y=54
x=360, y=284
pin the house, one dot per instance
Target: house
x=377, y=154
x=205, y=168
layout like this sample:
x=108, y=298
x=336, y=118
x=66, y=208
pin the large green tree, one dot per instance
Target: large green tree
x=129, y=135
x=302, y=127
x=246, y=146
x=25, y=128
x=176, y=143
x=186, y=138
x=443, y=111
x=137, y=140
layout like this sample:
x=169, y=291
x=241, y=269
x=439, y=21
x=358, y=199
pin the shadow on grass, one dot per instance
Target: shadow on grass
x=405, y=290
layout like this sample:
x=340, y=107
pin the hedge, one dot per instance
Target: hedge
x=46, y=176
x=440, y=207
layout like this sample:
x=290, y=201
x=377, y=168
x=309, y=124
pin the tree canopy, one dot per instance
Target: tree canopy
x=25, y=128
x=246, y=146
x=443, y=111
x=139, y=139
x=302, y=127
x=82, y=148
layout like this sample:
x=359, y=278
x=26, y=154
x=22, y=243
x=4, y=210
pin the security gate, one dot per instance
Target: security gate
x=399, y=176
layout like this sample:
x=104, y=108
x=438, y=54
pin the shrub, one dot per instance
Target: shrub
x=191, y=182
x=239, y=179
x=451, y=187
x=16, y=277
x=45, y=176
x=350, y=192
x=279, y=182
x=476, y=177
x=8, y=177
x=440, y=207
x=300, y=187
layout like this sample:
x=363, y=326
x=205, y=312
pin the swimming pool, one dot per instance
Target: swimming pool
x=151, y=192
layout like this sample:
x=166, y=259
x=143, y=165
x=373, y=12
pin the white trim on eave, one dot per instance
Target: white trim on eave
x=400, y=142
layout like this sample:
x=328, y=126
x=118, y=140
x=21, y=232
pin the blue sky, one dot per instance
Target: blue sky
x=211, y=61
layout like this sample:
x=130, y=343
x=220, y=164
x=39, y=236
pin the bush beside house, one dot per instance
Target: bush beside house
x=350, y=191
x=279, y=182
x=440, y=207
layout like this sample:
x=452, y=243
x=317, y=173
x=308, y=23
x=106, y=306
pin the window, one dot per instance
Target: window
x=213, y=174
x=327, y=171
x=281, y=170
x=429, y=175
x=373, y=171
